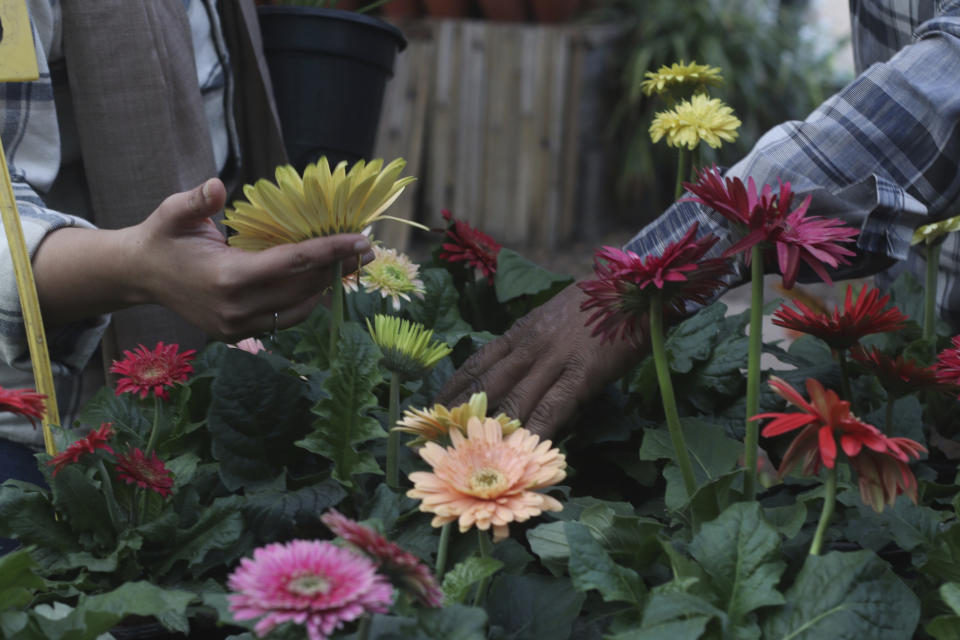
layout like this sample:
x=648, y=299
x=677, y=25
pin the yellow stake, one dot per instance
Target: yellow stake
x=18, y=62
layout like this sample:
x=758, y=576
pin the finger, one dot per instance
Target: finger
x=198, y=203
x=474, y=373
x=310, y=257
x=556, y=407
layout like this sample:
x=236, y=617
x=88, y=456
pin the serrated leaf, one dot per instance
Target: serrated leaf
x=740, y=552
x=845, y=596
x=516, y=276
x=273, y=514
x=458, y=582
x=344, y=418
x=123, y=411
x=218, y=528
x=718, y=376
x=591, y=567
x=693, y=339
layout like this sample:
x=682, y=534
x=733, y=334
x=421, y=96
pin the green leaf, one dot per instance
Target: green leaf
x=740, y=552
x=440, y=307
x=711, y=451
x=950, y=593
x=719, y=376
x=516, y=276
x=26, y=514
x=255, y=416
x=83, y=504
x=458, y=582
x=944, y=627
x=788, y=519
x=123, y=411
x=275, y=514
x=549, y=542
x=344, y=418
x=674, y=614
x=219, y=527
x=693, y=339
x=630, y=540
x=17, y=579
x=591, y=567
x=452, y=622
x=845, y=596
x=943, y=560
x=533, y=607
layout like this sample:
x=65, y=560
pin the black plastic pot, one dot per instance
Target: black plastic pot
x=329, y=70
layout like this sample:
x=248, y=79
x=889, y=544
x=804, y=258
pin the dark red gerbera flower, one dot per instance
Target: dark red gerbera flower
x=620, y=294
x=25, y=402
x=899, y=376
x=134, y=467
x=882, y=476
x=404, y=569
x=765, y=217
x=144, y=371
x=843, y=330
x=947, y=365
x=96, y=439
x=470, y=245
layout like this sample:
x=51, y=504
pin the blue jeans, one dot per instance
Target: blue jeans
x=17, y=463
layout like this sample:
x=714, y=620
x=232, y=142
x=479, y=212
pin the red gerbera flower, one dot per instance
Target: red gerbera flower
x=884, y=476
x=842, y=330
x=145, y=371
x=680, y=273
x=404, y=569
x=899, y=376
x=766, y=217
x=94, y=440
x=947, y=365
x=470, y=245
x=25, y=402
x=150, y=473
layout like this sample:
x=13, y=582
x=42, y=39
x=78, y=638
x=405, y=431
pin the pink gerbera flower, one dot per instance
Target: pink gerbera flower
x=311, y=583
x=947, y=365
x=469, y=245
x=150, y=473
x=25, y=402
x=882, y=476
x=144, y=371
x=404, y=569
x=620, y=294
x=766, y=218
x=96, y=439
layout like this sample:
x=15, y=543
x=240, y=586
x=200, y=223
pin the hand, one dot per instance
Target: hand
x=179, y=259
x=544, y=367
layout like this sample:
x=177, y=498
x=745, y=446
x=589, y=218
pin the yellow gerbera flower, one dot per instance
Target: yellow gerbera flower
x=699, y=119
x=436, y=423
x=391, y=273
x=667, y=77
x=408, y=348
x=933, y=231
x=321, y=203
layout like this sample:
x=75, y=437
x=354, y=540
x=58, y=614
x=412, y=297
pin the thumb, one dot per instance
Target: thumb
x=195, y=205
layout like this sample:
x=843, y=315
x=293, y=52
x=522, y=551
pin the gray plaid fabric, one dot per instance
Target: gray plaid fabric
x=43, y=154
x=882, y=153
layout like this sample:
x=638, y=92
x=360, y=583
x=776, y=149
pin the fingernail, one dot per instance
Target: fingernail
x=205, y=190
x=361, y=246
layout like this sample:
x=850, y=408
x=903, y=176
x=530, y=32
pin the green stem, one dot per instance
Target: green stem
x=336, y=308
x=483, y=542
x=682, y=171
x=695, y=162
x=442, y=547
x=393, y=437
x=112, y=508
x=155, y=430
x=888, y=420
x=363, y=631
x=930, y=291
x=845, y=377
x=829, y=501
x=751, y=439
x=666, y=393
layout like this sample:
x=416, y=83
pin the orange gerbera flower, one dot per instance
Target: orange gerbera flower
x=487, y=480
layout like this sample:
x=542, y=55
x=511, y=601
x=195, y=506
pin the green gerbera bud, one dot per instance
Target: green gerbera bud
x=408, y=348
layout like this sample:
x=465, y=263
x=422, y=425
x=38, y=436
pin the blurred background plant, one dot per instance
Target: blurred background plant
x=777, y=66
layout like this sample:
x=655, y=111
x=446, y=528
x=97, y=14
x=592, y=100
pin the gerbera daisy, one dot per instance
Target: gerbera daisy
x=311, y=583
x=24, y=402
x=469, y=245
x=486, y=480
x=436, y=423
x=898, y=376
x=321, y=203
x=843, y=330
x=150, y=473
x=392, y=274
x=765, y=216
x=882, y=476
x=404, y=569
x=666, y=77
x=144, y=371
x=96, y=439
x=408, y=347
x=699, y=119
x=947, y=365
x=932, y=232
x=250, y=345
x=620, y=293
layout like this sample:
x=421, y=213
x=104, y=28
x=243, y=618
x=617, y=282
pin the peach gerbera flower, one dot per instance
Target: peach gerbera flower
x=486, y=480
x=436, y=423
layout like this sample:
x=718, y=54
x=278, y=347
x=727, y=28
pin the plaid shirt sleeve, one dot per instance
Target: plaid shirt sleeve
x=882, y=153
x=31, y=143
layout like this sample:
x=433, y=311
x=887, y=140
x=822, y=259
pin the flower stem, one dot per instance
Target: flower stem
x=483, y=542
x=666, y=393
x=442, y=547
x=844, y=377
x=829, y=501
x=112, y=507
x=363, y=630
x=155, y=430
x=681, y=171
x=393, y=436
x=930, y=290
x=752, y=435
x=336, y=308
x=888, y=420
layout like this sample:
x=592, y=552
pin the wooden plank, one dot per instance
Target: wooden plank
x=470, y=122
x=441, y=122
x=518, y=231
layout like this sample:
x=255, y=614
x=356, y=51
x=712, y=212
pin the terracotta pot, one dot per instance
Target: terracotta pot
x=447, y=8
x=504, y=10
x=555, y=10
x=401, y=9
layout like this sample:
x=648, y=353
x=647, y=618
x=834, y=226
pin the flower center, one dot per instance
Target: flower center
x=309, y=585
x=487, y=482
x=152, y=372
